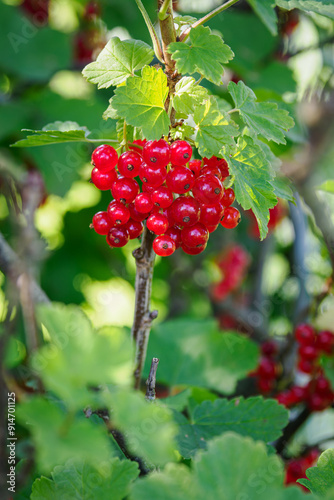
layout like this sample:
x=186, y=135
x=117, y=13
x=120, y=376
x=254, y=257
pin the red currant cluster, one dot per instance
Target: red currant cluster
x=182, y=200
x=269, y=368
x=318, y=393
x=233, y=264
x=296, y=468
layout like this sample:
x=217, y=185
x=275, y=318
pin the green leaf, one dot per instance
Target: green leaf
x=141, y=102
x=188, y=95
x=181, y=132
x=233, y=468
x=177, y=402
x=110, y=112
x=261, y=419
x=201, y=356
x=107, y=359
x=321, y=478
x=253, y=181
x=323, y=7
x=205, y=54
x=117, y=61
x=58, y=436
x=54, y=133
x=214, y=129
x=84, y=481
x=327, y=186
x=283, y=188
x=149, y=429
x=262, y=118
x=265, y=9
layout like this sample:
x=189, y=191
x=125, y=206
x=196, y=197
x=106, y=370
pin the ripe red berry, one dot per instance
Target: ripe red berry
x=267, y=368
x=143, y=203
x=118, y=237
x=208, y=190
x=298, y=394
x=228, y=197
x=134, y=228
x=157, y=153
x=305, y=334
x=325, y=341
x=194, y=236
x=146, y=188
x=154, y=176
x=218, y=162
x=125, y=189
x=137, y=146
x=195, y=166
x=104, y=158
x=118, y=213
x=211, y=216
x=164, y=245
x=193, y=251
x=129, y=164
x=101, y=223
x=162, y=197
x=305, y=366
x=180, y=180
x=103, y=180
x=308, y=352
x=265, y=385
x=185, y=211
x=157, y=223
x=316, y=402
x=181, y=153
x=212, y=228
x=206, y=170
x=231, y=218
x=174, y=233
x=322, y=386
x=269, y=348
x=135, y=215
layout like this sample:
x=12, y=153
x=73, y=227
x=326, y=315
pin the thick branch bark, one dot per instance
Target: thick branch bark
x=144, y=256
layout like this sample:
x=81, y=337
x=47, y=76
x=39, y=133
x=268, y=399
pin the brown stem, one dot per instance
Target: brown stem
x=144, y=256
x=150, y=382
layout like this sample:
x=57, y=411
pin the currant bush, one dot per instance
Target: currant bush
x=182, y=200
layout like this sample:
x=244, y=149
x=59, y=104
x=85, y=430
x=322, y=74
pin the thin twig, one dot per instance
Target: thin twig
x=145, y=257
x=291, y=429
x=150, y=382
x=150, y=27
x=207, y=18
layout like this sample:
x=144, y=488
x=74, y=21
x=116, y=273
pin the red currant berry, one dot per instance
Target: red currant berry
x=265, y=385
x=228, y=197
x=218, y=162
x=157, y=223
x=305, y=334
x=212, y=228
x=181, y=153
x=322, y=386
x=162, y=197
x=231, y=218
x=208, y=190
x=157, y=153
x=143, y=203
x=316, y=402
x=104, y=158
x=103, y=180
x=137, y=146
x=125, y=189
x=195, y=166
x=174, y=233
x=206, y=170
x=305, y=366
x=185, y=211
x=134, y=228
x=193, y=251
x=118, y=237
x=309, y=352
x=298, y=394
x=211, y=216
x=101, y=223
x=135, y=215
x=325, y=341
x=267, y=368
x=152, y=176
x=164, y=245
x=180, y=180
x=195, y=236
x=129, y=164
x=269, y=348
x=285, y=398
x=118, y=213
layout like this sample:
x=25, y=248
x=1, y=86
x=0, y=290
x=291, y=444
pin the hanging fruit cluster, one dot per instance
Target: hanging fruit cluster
x=181, y=200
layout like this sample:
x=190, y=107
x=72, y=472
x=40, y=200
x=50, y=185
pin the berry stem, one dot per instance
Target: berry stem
x=143, y=317
x=207, y=18
x=150, y=27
